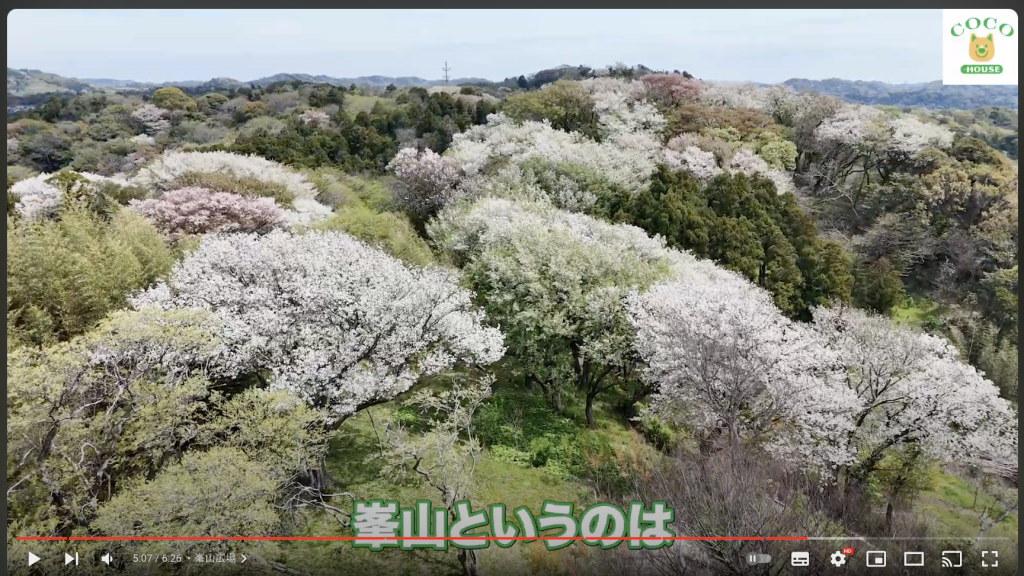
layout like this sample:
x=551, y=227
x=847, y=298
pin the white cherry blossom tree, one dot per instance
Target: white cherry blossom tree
x=913, y=390
x=336, y=322
x=555, y=281
x=427, y=181
x=162, y=174
x=725, y=362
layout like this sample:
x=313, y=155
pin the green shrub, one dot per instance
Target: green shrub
x=656, y=431
x=515, y=418
x=877, y=285
x=12, y=200
x=338, y=188
x=565, y=104
x=509, y=455
x=221, y=488
x=64, y=275
x=272, y=427
x=388, y=231
x=999, y=363
x=172, y=98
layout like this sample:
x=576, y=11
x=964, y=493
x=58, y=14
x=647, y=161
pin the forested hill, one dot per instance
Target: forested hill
x=29, y=82
x=28, y=86
x=923, y=95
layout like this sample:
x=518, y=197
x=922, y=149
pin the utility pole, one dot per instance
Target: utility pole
x=446, y=70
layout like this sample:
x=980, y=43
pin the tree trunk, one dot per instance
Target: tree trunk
x=468, y=560
x=553, y=396
x=888, y=517
x=590, y=410
x=318, y=479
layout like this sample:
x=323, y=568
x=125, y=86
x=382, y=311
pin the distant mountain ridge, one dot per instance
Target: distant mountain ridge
x=923, y=94
x=29, y=82
x=382, y=81
x=25, y=82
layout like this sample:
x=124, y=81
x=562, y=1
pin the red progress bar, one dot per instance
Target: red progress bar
x=373, y=538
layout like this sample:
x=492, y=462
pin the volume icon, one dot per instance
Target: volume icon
x=105, y=559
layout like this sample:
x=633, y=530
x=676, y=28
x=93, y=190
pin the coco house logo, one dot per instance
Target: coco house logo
x=979, y=47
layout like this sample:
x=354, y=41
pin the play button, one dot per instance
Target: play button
x=32, y=558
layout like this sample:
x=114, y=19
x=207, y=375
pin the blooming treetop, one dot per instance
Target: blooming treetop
x=622, y=110
x=626, y=156
x=305, y=211
x=621, y=163
x=467, y=230
x=735, y=95
x=671, y=89
x=865, y=126
x=153, y=118
x=338, y=323
x=198, y=211
x=161, y=174
x=39, y=198
x=701, y=164
x=852, y=125
x=747, y=162
x=315, y=118
x=516, y=182
x=914, y=389
x=720, y=355
x=143, y=140
x=427, y=181
x=629, y=150
x=910, y=135
x=36, y=197
x=555, y=282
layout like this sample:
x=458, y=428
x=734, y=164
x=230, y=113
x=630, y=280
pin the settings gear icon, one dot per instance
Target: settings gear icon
x=838, y=559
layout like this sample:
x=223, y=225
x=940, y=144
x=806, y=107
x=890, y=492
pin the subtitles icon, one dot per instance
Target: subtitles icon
x=913, y=558
x=800, y=559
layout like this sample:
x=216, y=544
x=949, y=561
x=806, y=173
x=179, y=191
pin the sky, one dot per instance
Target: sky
x=751, y=45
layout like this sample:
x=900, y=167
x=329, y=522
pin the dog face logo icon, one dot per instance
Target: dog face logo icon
x=982, y=49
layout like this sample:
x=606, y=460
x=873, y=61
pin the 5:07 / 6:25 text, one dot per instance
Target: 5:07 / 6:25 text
x=156, y=558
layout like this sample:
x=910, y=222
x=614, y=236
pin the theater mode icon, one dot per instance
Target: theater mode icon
x=800, y=559
x=913, y=558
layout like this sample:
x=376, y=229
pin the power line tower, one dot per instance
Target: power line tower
x=446, y=70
